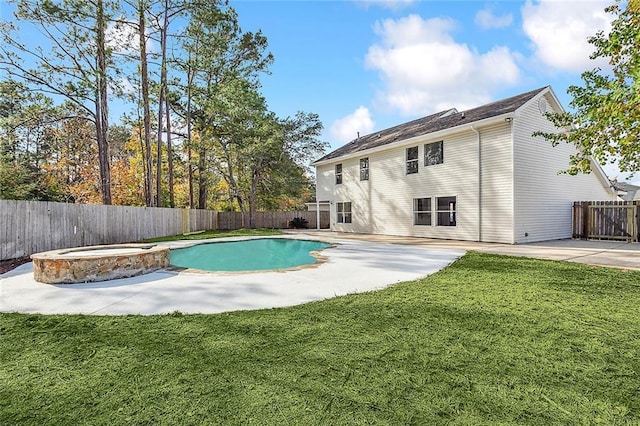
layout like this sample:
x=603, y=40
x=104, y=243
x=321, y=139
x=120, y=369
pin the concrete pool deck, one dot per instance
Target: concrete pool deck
x=359, y=263
x=352, y=266
x=614, y=254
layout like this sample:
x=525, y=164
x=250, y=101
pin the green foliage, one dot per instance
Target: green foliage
x=237, y=153
x=606, y=121
x=71, y=61
x=27, y=144
x=299, y=223
x=490, y=340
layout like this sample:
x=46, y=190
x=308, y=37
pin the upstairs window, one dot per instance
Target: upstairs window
x=364, y=168
x=422, y=211
x=446, y=211
x=412, y=160
x=338, y=174
x=433, y=153
x=343, y=212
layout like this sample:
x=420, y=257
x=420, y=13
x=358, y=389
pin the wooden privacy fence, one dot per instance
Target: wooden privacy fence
x=274, y=220
x=28, y=227
x=606, y=220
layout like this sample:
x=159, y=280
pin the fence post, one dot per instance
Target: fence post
x=586, y=220
x=186, y=227
x=636, y=216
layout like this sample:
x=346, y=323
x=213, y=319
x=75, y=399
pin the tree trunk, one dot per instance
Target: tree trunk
x=161, y=96
x=252, y=199
x=202, y=180
x=233, y=185
x=172, y=200
x=144, y=80
x=189, y=159
x=102, y=120
x=159, y=149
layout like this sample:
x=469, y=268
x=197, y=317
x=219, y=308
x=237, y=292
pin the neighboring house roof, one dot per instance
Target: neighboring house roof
x=433, y=123
x=625, y=190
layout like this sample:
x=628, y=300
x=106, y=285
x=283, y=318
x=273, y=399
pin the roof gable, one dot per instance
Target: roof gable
x=433, y=123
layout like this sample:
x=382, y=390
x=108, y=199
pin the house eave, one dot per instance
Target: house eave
x=433, y=135
x=597, y=169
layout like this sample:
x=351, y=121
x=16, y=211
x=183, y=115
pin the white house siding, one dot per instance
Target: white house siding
x=497, y=183
x=542, y=197
x=324, y=182
x=384, y=203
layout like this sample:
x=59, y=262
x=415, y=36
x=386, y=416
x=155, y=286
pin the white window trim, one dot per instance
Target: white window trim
x=449, y=211
x=441, y=142
x=430, y=211
x=341, y=214
x=416, y=160
x=364, y=168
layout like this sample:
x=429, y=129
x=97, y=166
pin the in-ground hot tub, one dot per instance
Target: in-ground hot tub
x=98, y=263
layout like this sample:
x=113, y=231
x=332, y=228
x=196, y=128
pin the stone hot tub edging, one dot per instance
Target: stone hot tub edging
x=98, y=263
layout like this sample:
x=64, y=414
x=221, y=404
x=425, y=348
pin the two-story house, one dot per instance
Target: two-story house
x=476, y=175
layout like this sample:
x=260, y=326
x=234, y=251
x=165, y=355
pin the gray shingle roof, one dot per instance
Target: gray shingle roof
x=432, y=123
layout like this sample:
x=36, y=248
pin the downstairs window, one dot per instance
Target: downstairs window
x=343, y=212
x=446, y=211
x=422, y=211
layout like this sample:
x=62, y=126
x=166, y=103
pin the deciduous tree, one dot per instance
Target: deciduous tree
x=605, y=123
x=72, y=63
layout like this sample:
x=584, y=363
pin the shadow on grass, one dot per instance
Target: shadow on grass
x=489, y=340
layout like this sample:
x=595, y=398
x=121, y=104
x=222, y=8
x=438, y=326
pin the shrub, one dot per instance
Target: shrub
x=298, y=223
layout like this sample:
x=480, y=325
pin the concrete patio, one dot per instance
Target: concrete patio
x=352, y=267
x=600, y=253
x=358, y=263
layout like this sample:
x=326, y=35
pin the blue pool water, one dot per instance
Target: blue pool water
x=250, y=255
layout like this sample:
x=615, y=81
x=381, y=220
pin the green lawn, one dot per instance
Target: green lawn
x=217, y=234
x=490, y=340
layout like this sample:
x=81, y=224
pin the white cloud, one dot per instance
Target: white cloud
x=124, y=38
x=346, y=128
x=559, y=31
x=485, y=19
x=425, y=70
x=125, y=86
x=388, y=4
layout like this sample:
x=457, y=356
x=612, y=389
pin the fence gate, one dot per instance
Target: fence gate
x=606, y=220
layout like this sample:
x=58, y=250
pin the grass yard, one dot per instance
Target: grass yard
x=490, y=340
x=217, y=234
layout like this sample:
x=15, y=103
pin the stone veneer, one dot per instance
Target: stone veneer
x=63, y=267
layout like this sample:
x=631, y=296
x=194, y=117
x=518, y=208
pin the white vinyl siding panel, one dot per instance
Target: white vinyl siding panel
x=384, y=203
x=543, y=197
x=375, y=200
x=497, y=183
x=325, y=187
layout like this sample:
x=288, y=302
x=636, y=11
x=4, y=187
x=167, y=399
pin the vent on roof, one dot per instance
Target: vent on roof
x=448, y=113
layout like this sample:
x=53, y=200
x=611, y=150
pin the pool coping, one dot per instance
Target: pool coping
x=352, y=267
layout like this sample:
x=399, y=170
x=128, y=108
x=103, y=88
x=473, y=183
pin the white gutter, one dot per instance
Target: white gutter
x=415, y=139
x=479, y=183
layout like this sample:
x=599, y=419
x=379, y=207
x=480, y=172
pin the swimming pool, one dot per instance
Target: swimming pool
x=248, y=255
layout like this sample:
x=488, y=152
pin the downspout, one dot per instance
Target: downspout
x=317, y=213
x=479, y=184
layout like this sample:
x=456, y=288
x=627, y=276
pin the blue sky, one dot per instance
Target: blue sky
x=367, y=65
